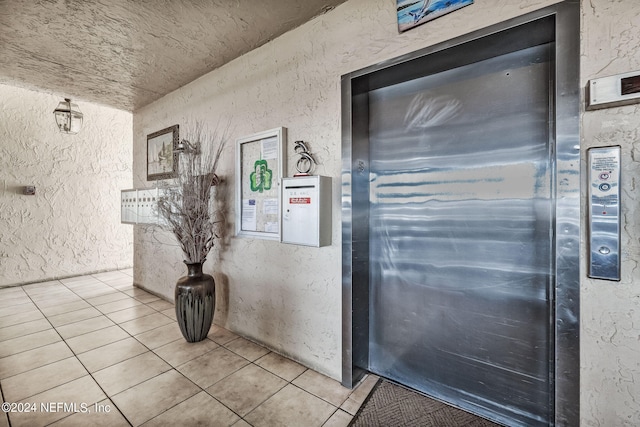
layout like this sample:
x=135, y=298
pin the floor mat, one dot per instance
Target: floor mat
x=391, y=405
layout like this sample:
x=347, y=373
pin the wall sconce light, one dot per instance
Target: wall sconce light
x=68, y=117
x=185, y=146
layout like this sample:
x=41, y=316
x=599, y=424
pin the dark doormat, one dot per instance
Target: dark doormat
x=391, y=405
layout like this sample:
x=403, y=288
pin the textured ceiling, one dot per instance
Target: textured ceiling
x=128, y=53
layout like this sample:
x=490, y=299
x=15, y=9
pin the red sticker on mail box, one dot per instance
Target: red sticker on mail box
x=299, y=200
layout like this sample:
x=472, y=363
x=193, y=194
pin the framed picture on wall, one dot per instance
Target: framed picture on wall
x=412, y=13
x=162, y=160
x=260, y=164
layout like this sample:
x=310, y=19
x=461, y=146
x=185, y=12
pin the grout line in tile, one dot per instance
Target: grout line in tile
x=3, y=413
x=22, y=399
x=26, y=335
x=240, y=416
x=319, y=397
x=330, y=416
x=90, y=332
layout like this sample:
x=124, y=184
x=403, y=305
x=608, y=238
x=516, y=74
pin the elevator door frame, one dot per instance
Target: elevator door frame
x=559, y=24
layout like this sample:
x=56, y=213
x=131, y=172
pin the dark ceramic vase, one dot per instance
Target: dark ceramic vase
x=195, y=298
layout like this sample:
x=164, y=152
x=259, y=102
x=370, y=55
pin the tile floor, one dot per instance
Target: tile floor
x=94, y=350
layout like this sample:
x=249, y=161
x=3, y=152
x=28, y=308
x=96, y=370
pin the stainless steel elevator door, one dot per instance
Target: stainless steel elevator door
x=461, y=236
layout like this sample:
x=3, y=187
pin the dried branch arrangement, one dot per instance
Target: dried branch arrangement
x=187, y=206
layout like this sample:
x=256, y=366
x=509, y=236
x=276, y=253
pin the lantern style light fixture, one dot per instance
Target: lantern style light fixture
x=68, y=117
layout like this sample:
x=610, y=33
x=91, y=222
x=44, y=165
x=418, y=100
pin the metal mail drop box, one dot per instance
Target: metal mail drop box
x=306, y=210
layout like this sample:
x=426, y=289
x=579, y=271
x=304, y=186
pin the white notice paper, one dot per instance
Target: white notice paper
x=270, y=206
x=270, y=148
x=249, y=215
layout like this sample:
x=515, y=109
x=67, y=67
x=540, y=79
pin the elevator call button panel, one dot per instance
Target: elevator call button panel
x=604, y=213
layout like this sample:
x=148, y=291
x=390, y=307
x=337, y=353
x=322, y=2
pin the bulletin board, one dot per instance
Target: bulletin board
x=260, y=163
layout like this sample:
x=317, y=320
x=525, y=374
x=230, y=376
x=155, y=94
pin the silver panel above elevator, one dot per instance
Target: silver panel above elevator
x=399, y=213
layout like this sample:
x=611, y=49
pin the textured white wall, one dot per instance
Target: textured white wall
x=72, y=225
x=288, y=297
x=610, y=311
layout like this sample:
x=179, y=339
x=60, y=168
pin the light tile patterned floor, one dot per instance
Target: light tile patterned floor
x=94, y=350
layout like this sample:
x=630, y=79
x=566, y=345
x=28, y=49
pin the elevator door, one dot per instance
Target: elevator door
x=461, y=229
